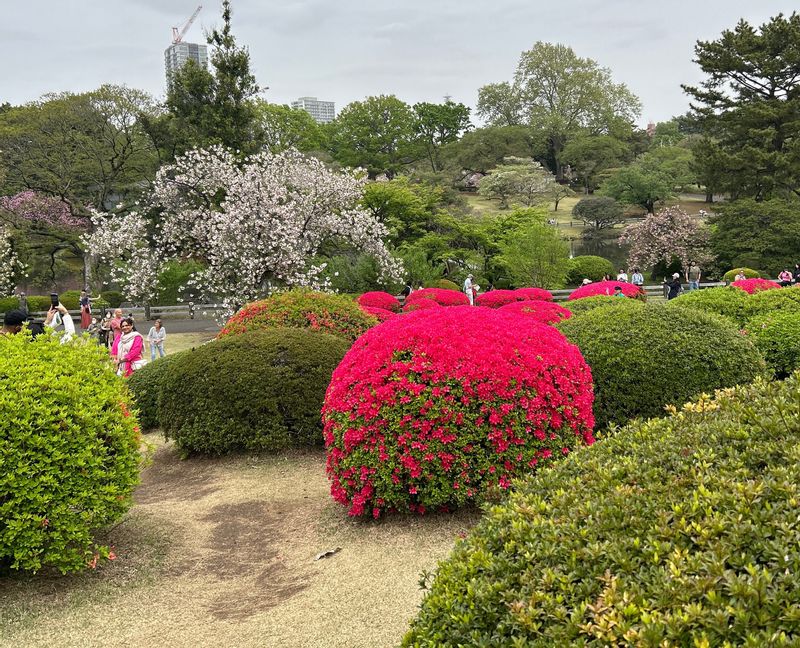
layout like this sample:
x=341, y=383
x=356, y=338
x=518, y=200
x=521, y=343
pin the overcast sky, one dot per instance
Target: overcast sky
x=344, y=50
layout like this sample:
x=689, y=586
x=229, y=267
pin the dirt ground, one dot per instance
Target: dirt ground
x=222, y=553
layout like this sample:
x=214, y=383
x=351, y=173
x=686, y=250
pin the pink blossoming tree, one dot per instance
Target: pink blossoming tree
x=254, y=225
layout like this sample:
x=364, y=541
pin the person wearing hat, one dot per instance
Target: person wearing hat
x=13, y=322
x=468, y=290
x=675, y=287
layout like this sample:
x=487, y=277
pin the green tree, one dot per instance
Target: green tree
x=598, y=212
x=590, y=155
x=709, y=166
x=437, y=125
x=408, y=210
x=561, y=94
x=377, y=134
x=204, y=108
x=283, y=128
x=535, y=254
x=749, y=104
x=525, y=180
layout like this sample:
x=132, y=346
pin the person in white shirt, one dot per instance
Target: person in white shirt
x=468, y=290
x=58, y=316
x=156, y=338
x=637, y=279
x=622, y=276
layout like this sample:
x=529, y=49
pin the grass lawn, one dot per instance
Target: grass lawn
x=221, y=553
x=181, y=341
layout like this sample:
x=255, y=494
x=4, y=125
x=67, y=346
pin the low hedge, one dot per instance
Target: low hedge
x=777, y=336
x=769, y=301
x=69, y=456
x=38, y=303
x=445, y=284
x=71, y=299
x=146, y=386
x=588, y=267
x=8, y=303
x=645, y=358
x=258, y=391
x=578, y=306
x=749, y=273
x=679, y=531
x=728, y=301
x=335, y=314
x=113, y=297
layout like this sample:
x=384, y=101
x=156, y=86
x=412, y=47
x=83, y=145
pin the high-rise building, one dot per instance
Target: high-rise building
x=178, y=53
x=322, y=111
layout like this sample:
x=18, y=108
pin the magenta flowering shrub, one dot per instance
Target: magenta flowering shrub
x=539, y=311
x=606, y=288
x=379, y=299
x=497, y=298
x=534, y=294
x=751, y=286
x=441, y=296
x=431, y=409
x=420, y=304
x=381, y=314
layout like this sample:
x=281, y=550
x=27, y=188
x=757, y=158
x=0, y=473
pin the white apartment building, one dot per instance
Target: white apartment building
x=322, y=111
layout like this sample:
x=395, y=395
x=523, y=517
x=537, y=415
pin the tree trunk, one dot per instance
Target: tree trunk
x=709, y=197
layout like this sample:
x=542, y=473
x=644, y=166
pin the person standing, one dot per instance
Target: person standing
x=797, y=273
x=693, y=276
x=740, y=276
x=622, y=275
x=156, y=338
x=468, y=290
x=114, y=325
x=785, y=278
x=86, y=310
x=637, y=279
x=129, y=347
x=675, y=287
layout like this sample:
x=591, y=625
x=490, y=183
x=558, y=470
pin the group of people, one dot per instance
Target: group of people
x=788, y=277
x=116, y=332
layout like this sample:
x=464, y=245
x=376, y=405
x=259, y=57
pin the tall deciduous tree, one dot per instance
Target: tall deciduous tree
x=283, y=128
x=377, y=134
x=749, y=104
x=437, y=125
x=535, y=254
x=590, y=155
x=525, y=180
x=561, y=94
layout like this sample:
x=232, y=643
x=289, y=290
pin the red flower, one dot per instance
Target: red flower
x=379, y=299
x=441, y=296
x=751, y=286
x=539, y=311
x=605, y=288
x=380, y=313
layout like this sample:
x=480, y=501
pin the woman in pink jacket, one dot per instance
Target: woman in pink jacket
x=129, y=348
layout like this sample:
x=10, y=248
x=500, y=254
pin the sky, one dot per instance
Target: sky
x=345, y=50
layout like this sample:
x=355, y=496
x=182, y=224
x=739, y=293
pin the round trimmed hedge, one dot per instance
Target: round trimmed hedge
x=645, y=358
x=578, y=306
x=607, y=288
x=539, y=311
x=533, y=294
x=588, y=267
x=751, y=286
x=497, y=298
x=146, y=387
x=777, y=336
x=69, y=457
x=680, y=531
x=749, y=273
x=728, y=301
x=258, y=391
x=441, y=296
x=442, y=283
x=379, y=299
x=769, y=301
x=335, y=314
x=430, y=410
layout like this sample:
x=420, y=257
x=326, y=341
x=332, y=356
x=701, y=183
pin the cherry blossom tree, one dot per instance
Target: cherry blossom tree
x=9, y=263
x=255, y=225
x=39, y=209
x=669, y=233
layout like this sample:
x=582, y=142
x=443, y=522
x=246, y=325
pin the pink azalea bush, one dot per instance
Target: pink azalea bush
x=381, y=314
x=498, y=298
x=606, y=288
x=533, y=294
x=539, y=311
x=379, y=299
x=751, y=286
x=431, y=409
x=420, y=304
x=441, y=296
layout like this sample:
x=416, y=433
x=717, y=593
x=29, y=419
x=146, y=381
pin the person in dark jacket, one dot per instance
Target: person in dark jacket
x=675, y=287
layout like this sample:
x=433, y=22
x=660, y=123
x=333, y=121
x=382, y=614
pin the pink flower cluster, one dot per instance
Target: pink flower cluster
x=381, y=314
x=441, y=296
x=539, y=311
x=428, y=410
x=498, y=298
x=751, y=286
x=39, y=208
x=605, y=288
x=379, y=299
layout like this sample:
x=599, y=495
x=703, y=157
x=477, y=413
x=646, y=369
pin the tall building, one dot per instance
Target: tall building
x=178, y=53
x=322, y=111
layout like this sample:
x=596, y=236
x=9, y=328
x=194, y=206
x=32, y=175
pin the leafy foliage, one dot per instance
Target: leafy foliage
x=334, y=314
x=749, y=273
x=588, y=267
x=273, y=403
x=535, y=254
x=146, y=386
x=598, y=212
x=524, y=180
x=677, y=531
x=645, y=358
x=728, y=301
x=578, y=306
x=412, y=424
x=69, y=454
x=777, y=336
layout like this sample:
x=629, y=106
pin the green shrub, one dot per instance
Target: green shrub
x=777, y=336
x=70, y=299
x=445, y=284
x=113, y=297
x=588, y=267
x=99, y=305
x=146, y=386
x=335, y=314
x=749, y=273
x=38, y=303
x=679, y=531
x=172, y=278
x=644, y=358
x=8, y=303
x=258, y=391
x=728, y=301
x=68, y=452
x=578, y=306
x=769, y=301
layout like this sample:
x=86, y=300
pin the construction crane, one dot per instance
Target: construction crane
x=179, y=32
